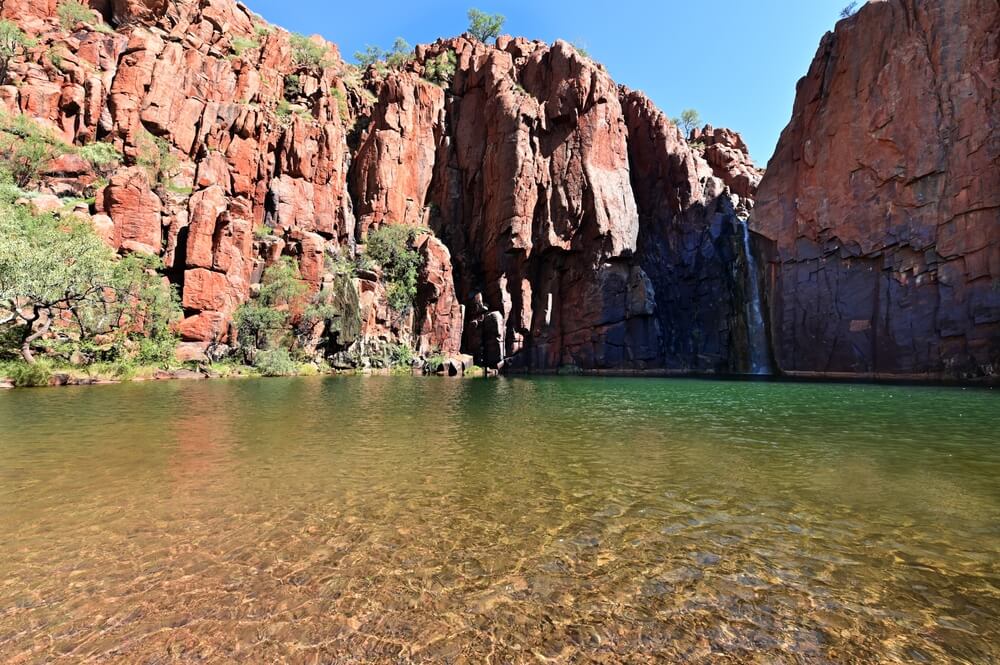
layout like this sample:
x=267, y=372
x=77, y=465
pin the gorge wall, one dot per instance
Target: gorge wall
x=881, y=205
x=570, y=222
x=566, y=220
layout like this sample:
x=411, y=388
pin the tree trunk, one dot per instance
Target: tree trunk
x=30, y=337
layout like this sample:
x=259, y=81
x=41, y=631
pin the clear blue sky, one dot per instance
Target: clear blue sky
x=736, y=61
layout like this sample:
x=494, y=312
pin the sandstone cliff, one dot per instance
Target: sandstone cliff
x=571, y=222
x=881, y=205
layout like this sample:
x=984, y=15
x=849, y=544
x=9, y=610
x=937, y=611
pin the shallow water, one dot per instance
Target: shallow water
x=399, y=519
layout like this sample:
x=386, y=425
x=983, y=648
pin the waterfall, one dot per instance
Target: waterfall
x=760, y=357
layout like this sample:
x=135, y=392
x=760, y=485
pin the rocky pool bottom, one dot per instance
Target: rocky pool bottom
x=556, y=519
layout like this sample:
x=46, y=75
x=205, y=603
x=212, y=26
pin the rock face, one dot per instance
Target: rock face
x=564, y=220
x=571, y=222
x=881, y=206
x=533, y=187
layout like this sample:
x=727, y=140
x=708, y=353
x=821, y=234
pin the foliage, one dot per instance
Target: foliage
x=293, y=86
x=261, y=322
x=849, y=10
x=400, y=53
x=256, y=326
x=698, y=146
x=308, y=54
x=689, y=120
x=401, y=355
x=342, y=107
x=285, y=109
x=485, y=26
x=370, y=56
x=59, y=272
x=262, y=31
x=156, y=157
x=391, y=247
x=100, y=154
x=435, y=363
x=582, y=50
x=71, y=13
x=24, y=375
x=26, y=147
x=55, y=56
x=12, y=42
x=275, y=362
x=441, y=70
x=241, y=45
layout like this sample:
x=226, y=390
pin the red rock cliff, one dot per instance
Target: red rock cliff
x=572, y=222
x=882, y=203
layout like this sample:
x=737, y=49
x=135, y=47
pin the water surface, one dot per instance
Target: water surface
x=564, y=520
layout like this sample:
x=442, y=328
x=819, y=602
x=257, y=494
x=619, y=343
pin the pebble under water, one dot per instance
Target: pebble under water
x=541, y=520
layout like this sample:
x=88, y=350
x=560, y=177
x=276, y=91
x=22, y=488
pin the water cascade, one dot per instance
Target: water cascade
x=760, y=357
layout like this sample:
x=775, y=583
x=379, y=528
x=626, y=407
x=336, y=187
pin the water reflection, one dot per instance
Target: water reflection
x=576, y=520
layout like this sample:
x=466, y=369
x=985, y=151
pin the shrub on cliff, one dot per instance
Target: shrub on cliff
x=26, y=147
x=485, y=26
x=441, y=70
x=308, y=54
x=391, y=247
x=71, y=13
x=263, y=321
x=13, y=42
x=58, y=277
x=156, y=157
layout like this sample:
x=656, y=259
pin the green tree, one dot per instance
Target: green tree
x=261, y=322
x=391, y=247
x=12, y=42
x=485, y=26
x=689, y=120
x=400, y=54
x=370, y=56
x=59, y=272
x=308, y=54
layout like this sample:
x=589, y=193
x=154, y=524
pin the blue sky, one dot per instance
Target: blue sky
x=735, y=61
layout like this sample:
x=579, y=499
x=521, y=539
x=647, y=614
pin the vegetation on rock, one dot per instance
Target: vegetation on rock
x=688, y=121
x=58, y=279
x=400, y=53
x=485, y=26
x=391, y=248
x=156, y=157
x=72, y=13
x=262, y=323
x=441, y=69
x=26, y=147
x=308, y=54
x=13, y=41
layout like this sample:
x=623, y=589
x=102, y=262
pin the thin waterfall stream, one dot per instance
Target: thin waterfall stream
x=760, y=357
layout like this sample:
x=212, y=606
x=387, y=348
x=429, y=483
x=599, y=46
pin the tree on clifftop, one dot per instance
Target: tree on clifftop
x=689, y=120
x=485, y=26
